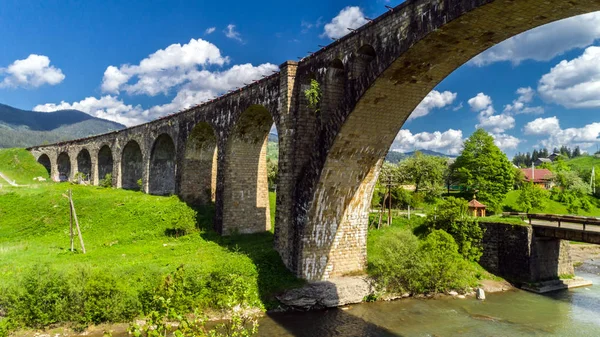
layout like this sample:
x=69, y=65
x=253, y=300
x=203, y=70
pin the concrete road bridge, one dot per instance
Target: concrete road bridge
x=372, y=79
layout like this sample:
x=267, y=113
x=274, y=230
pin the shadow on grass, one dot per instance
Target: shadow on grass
x=273, y=276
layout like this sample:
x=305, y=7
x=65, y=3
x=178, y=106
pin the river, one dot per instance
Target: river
x=574, y=312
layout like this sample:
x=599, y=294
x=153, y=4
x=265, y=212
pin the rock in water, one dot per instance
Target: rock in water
x=480, y=294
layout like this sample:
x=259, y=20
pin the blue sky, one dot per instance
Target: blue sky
x=137, y=60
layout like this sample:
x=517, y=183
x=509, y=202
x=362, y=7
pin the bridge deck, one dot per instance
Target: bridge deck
x=566, y=227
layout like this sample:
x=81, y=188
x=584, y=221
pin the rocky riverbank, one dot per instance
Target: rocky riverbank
x=586, y=258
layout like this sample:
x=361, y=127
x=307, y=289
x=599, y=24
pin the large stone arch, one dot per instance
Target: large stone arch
x=105, y=162
x=161, y=180
x=246, y=191
x=84, y=164
x=44, y=160
x=424, y=44
x=132, y=166
x=63, y=163
x=199, y=171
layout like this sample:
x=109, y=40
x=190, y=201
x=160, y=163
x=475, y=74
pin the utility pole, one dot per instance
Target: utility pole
x=593, y=180
x=389, y=200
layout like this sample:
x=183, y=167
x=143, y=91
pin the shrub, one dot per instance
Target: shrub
x=402, y=264
x=452, y=217
x=441, y=266
x=107, y=181
x=393, y=263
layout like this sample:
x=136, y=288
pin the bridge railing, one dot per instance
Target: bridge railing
x=575, y=219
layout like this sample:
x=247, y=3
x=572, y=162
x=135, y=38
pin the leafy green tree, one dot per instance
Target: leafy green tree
x=532, y=196
x=272, y=173
x=483, y=168
x=424, y=171
x=452, y=216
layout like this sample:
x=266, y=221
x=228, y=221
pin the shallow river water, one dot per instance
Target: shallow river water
x=573, y=312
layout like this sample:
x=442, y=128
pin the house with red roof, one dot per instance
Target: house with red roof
x=540, y=177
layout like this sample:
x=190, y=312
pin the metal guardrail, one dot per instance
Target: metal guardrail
x=583, y=220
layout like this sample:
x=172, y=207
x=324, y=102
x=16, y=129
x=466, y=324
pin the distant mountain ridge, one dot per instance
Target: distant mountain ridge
x=23, y=128
x=395, y=156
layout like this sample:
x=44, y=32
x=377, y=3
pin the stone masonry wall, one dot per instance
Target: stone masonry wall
x=517, y=254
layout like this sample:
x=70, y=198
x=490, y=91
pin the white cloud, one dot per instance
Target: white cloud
x=107, y=107
x=349, y=17
x=210, y=30
x=545, y=42
x=575, y=83
x=178, y=68
x=506, y=142
x=231, y=33
x=542, y=126
x=32, y=72
x=164, y=69
x=449, y=141
x=496, y=123
x=584, y=136
x=519, y=106
x=480, y=102
x=434, y=99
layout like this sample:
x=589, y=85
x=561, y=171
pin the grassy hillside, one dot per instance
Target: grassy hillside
x=584, y=163
x=552, y=206
x=133, y=241
x=20, y=166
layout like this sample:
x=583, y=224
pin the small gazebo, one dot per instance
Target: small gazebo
x=476, y=208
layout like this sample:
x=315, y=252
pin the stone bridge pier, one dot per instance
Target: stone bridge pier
x=523, y=256
x=330, y=154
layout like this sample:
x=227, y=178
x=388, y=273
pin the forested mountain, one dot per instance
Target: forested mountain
x=22, y=128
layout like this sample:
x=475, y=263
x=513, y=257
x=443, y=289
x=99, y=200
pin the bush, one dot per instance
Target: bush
x=393, y=263
x=107, y=181
x=452, y=217
x=441, y=266
x=434, y=265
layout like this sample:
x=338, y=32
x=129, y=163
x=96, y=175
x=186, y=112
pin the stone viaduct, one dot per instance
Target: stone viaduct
x=372, y=79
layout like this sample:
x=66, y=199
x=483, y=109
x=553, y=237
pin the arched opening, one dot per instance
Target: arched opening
x=333, y=91
x=105, y=162
x=44, y=160
x=84, y=165
x=364, y=55
x=199, y=171
x=246, y=192
x=132, y=167
x=162, y=166
x=64, y=167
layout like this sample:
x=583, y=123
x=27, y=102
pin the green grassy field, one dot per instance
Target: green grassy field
x=18, y=165
x=133, y=238
x=552, y=206
x=584, y=162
